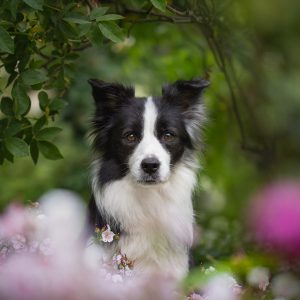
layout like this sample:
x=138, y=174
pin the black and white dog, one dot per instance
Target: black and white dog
x=145, y=171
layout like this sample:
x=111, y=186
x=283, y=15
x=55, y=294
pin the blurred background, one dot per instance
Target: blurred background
x=250, y=52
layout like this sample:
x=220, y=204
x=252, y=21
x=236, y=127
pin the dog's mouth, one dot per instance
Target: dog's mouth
x=149, y=182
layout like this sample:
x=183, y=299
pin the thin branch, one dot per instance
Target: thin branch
x=176, y=11
x=48, y=62
x=82, y=47
x=88, y=4
x=161, y=17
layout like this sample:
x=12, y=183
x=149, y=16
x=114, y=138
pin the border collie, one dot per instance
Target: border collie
x=145, y=171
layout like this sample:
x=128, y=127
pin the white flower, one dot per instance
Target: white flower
x=222, y=287
x=33, y=247
x=128, y=272
x=117, y=258
x=4, y=252
x=108, y=276
x=18, y=242
x=107, y=235
x=259, y=277
x=209, y=270
x=45, y=247
x=116, y=278
x=195, y=296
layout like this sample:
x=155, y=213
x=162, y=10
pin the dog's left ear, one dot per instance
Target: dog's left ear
x=185, y=93
x=110, y=96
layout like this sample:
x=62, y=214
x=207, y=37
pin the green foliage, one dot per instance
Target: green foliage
x=38, y=45
x=160, y=4
x=6, y=42
x=39, y=42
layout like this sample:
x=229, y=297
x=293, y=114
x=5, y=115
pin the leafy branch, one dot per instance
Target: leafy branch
x=40, y=41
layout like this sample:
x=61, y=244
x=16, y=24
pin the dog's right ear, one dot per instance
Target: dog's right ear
x=110, y=96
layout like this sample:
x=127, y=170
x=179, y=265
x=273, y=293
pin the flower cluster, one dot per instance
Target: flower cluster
x=28, y=271
x=22, y=231
x=123, y=264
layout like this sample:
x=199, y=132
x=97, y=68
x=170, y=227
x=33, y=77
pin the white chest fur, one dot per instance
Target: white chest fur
x=156, y=221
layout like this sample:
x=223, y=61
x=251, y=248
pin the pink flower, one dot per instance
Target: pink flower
x=107, y=235
x=259, y=277
x=222, y=287
x=29, y=272
x=13, y=221
x=45, y=247
x=275, y=218
x=19, y=242
x=195, y=296
x=117, y=259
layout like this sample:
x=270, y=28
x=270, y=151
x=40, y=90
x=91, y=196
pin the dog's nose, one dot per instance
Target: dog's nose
x=150, y=165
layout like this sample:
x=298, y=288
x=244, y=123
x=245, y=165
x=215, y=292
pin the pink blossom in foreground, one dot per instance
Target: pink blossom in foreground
x=259, y=277
x=47, y=260
x=50, y=263
x=222, y=287
x=275, y=218
x=107, y=235
x=14, y=221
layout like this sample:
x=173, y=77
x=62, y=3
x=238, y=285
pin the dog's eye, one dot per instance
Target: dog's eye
x=168, y=137
x=131, y=137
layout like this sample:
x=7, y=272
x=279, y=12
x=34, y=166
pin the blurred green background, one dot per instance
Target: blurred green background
x=250, y=51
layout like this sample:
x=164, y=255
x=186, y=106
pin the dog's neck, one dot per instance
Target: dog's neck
x=134, y=206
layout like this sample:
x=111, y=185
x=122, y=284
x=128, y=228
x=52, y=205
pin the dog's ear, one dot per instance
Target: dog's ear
x=185, y=93
x=110, y=96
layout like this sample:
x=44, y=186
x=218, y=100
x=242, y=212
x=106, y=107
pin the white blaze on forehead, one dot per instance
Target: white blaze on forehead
x=150, y=146
x=150, y=116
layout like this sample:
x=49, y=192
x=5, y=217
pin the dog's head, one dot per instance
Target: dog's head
x=146, y=137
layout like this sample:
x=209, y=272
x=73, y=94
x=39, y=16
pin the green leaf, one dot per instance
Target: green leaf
x=3, y=125
x=43, y=100
x=14, y=126
x=98, y=12
x=34, y=151
x=111, y=31
x=36, y=4
x=159, y=4
x=83, y=30
x=14, y=8
x=7, y=154
x=48, y=133
x=68, y=30
x=32, y=77
x=96, y=36
x=49, y=150
x=11, y=78
x=57, y=104
x=109, y=17
x=6, y=42
x=2, y=155
x=39, y=124
x=21, y=99
x=7, y=106
x=16, y=146
x=77, y=20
